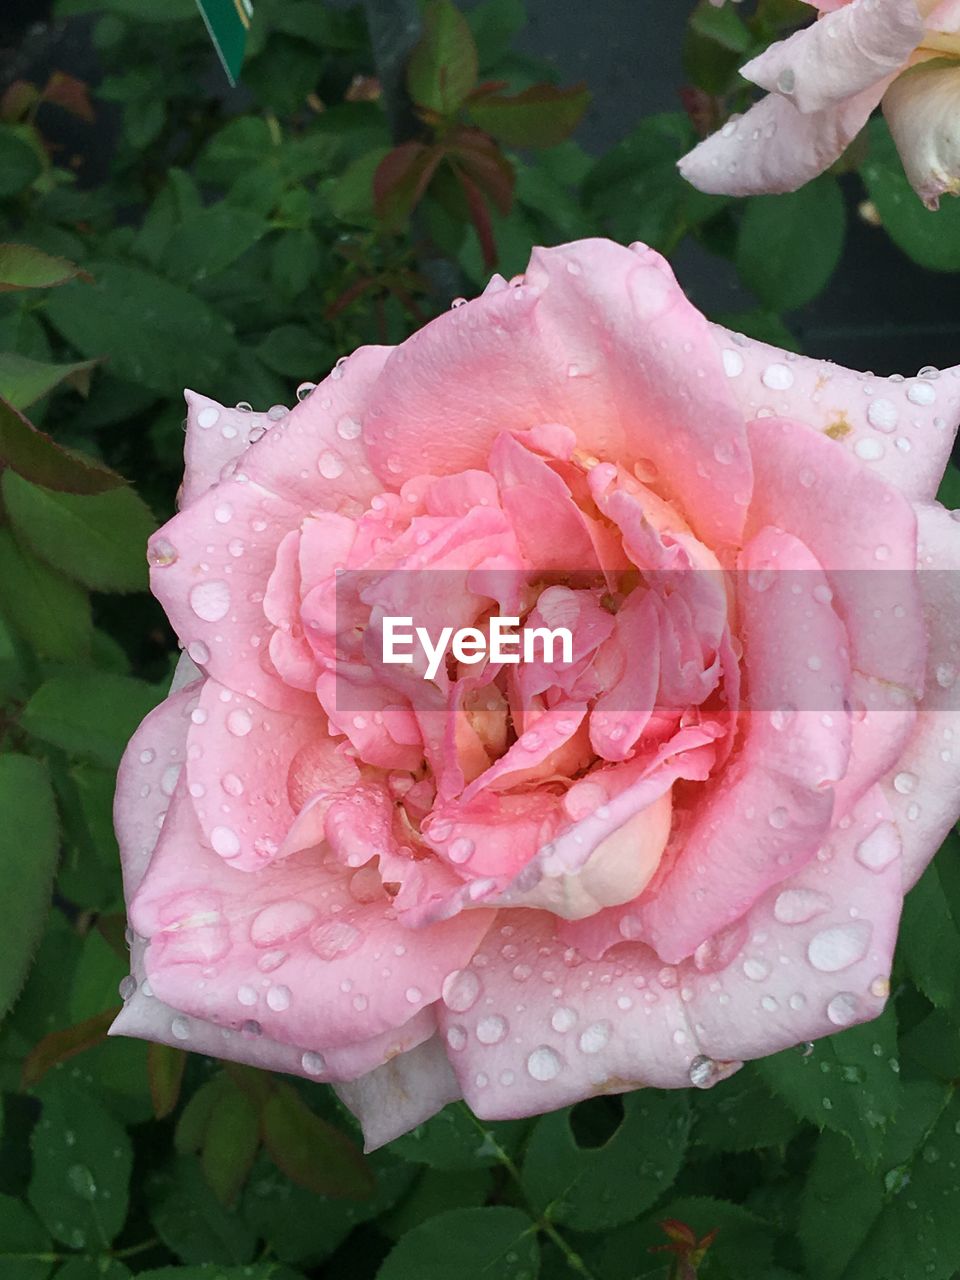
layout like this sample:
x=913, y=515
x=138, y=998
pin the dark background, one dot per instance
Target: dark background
x=881, y=311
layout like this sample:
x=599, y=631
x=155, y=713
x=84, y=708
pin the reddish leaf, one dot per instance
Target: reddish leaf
x=484, y=162
x=443, y=68
x=311, y=1152
x=165, y=1072
x=59, y=1046
x=480, y=217
x=42, y=461
x=70, y=93
x=401, y=178
x=17, y=100
x=540, y=116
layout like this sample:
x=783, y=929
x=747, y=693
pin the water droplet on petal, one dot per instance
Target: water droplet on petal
x=210, y=601
x=881, y=847
x=840, y=946
x=460, y=990
x=544, y=1063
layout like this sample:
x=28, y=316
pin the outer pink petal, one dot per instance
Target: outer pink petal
x=401, y=1094
x=216, y=437
x=532, y=1026
x=317, y=455
x=772, y=808
x=902, y=429
x=923, y=788
x=819, y=949
x=843, y=54
x=775, y=148
x=860, y=529
x=239, y=758
x=145, y=1017
x=597, y=338
x=211, y=565
x=290, y=948
x=148, y=776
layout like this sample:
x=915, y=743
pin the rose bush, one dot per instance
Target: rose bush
x=824, y=82
x=529, y=885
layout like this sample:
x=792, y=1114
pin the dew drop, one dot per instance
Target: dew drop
x=544, y=1064
x=460, y=990
x=840, y=946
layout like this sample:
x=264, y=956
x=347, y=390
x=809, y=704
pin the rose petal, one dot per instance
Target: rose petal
x=860, y=529
x=404, y=1092
x=923, y=787
x=775, y=148
x=900, y=428
x=532, y=354
x=843, y=54
x=818, y=954
x=921, y=107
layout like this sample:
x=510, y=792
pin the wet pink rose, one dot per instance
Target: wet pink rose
x=684, y=846
x=824, y=82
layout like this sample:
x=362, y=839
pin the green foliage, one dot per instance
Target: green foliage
x=769, y=255
x=931, y=239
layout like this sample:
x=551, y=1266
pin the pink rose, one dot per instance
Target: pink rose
x=683, y=847
x=825, y=81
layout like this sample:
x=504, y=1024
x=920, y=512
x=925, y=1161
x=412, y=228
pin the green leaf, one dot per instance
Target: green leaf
x=230, y=1141
x=191, y=1221
x=592, y=1188
x=61, y=1046
x=154, y=332
x=931, y=239
x=98, y=539
x=89, y=713
x=19, y=162
x=443, y=67
x=635, y=191
x=469, y=1244
x=24, y=267
x=28, y=848
x=171, y=11
x=848, y=1082
x=36, y=457
x=455, y=1139
x=22, y=380
x=302, y=1227
x=897, y=1222
x=165, y=1066
x=930, y=929
x=143, y=120
x=81, y=1169
x=949, y=491
x=740, y=1114
x=48, y=611
x=310, y=1151
x=99, y=1268
x=211, y=240
x=772, y=226
x=20, y=1236
x=436, y=1191
x=494, y=24
x=293, y=350
x=540, y=116
x=722, y=25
